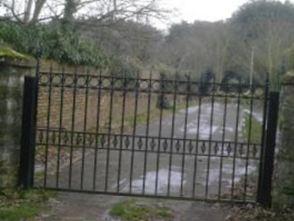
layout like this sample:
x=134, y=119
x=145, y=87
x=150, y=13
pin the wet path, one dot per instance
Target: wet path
x=184, y=173
x=168, y=167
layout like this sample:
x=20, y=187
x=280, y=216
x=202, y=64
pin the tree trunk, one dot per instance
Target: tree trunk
x=38, y=7
x=69, y=9
x=27, y=13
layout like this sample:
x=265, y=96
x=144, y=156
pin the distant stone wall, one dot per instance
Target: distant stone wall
x=284, y=170
x=91, y=114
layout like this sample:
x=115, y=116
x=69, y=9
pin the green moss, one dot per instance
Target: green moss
x=3, y=90
x=131, y=211
x=289, y=77
x=288, y=190
x=7, y=52
x=3, y=169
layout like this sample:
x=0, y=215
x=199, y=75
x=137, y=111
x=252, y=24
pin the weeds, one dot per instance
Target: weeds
x=21, y=205
x=132, y=211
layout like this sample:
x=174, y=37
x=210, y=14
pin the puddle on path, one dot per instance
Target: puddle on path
x=175, y=177
x=150, y=181
x=211, y=124
x=227, y=171
x=204, y=131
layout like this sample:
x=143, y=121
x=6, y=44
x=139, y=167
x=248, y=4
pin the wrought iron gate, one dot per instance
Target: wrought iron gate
x=168, y=137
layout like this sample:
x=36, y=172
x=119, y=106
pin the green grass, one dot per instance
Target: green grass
x=255, y=129
x=131, y=211
x=22, y=205
x=24, y=211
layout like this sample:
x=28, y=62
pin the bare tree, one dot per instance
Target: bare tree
x=270, y=34
x=33, y=11
x=198, y=47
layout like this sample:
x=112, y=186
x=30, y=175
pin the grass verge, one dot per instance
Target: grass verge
x=253, y=127
x=22, y=205
x=132, y=211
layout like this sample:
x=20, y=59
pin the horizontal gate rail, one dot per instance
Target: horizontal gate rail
x=215, y=200
x=108, y=84
x=152, y=146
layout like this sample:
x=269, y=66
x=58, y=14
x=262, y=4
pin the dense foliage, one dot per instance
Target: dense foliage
x=56, y=41
x=253, y=43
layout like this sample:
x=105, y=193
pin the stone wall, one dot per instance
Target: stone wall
x=284, y=169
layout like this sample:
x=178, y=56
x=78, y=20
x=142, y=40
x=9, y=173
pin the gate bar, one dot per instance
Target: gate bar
x=266, y=172
x=27, y=152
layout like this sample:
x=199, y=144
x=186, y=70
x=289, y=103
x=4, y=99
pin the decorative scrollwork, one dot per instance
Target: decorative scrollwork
x=41, y=136
x=152, y=144
x=203, y=147
x=229, y=149
x=190, y=147
x=115, y=142
x=70, y=139
x=65, y=138
x=102, y=140
x=241, y=149
x=91, y=139
x=140, y=143
x=166, y=85
x=178, y=145
x=79, y=139
x=165, y=145
x=254, y=151
x=216, y=148
x=53, y=137
x=127, y=142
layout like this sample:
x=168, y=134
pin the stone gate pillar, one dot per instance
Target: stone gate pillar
x=284, y=169
x=11, y=86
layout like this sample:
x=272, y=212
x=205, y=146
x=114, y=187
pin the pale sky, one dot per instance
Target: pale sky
x=191, y=10
x=206, y=10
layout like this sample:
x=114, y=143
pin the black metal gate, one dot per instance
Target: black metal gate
x=170, y=137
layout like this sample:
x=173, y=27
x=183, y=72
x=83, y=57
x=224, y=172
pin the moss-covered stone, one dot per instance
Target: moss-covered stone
x=289, y=78
x=10, y=130
x=284, y=180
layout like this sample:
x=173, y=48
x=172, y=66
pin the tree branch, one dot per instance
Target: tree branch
x=11, y=8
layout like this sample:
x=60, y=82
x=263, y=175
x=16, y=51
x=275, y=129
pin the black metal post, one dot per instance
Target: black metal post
x=266, y=172
x=27, y=152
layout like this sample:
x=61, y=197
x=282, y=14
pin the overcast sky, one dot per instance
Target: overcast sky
x=207, y=10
